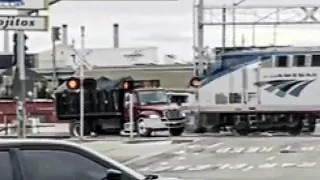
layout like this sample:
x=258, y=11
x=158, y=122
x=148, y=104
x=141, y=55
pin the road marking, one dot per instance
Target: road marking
x=288, y=148
x=164, y=163
x=266, y=149
x=267, y=165
x=307, y=164
x=215, y=145
x=196, y=153
x=161, y=168
x=180, y=168
x=308, y=148
x=180, y=158
x=237, y=150
x=200, y=167
x=238, y=166
x=241, y=166
x=270, y=158
x=252, y=149
x=144, y=168
x=193, y=146
x=247, y=168
x=179, y=152
x=224, y=166
x=223, y=150
x=284, y=165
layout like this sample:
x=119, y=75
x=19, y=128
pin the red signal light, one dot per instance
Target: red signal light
x=73, y=83
x=128, y=85
x=195, y=82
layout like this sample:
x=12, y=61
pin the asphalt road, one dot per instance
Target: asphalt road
x=239, y=158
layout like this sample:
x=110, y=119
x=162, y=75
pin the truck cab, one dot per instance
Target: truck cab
x=153, y=111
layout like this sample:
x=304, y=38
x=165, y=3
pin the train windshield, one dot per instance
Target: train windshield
x=228, y=61
x=153, y=97
x=215, y=67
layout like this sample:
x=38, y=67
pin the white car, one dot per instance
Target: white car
x=34, y=159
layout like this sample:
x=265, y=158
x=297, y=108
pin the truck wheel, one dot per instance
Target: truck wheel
x=176, y=131
x=74, y=129
x=142, y=129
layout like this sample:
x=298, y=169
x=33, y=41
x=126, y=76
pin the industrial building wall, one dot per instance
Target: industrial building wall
x=122, y=56
x=169, y=78
x=100, y=57
x=63, y=57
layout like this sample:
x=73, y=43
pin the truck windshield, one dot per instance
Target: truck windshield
x=153, y=97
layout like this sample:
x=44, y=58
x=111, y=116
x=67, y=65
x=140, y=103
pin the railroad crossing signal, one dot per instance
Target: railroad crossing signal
x=195, y=82
x=15, y=48
x=74, y=83
x=128, y=85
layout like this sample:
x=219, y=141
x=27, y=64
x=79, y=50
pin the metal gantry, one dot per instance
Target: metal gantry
x=247, y=15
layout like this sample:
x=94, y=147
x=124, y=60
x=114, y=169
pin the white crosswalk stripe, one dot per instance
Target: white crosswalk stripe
x=240, y=166
x=216, y=148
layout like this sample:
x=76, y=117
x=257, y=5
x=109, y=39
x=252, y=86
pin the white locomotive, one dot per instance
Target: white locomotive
x=275, y=89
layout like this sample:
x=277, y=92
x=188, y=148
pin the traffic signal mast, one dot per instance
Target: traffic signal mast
x=15, y=48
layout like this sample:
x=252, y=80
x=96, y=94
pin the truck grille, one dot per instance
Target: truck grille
x=173, y=114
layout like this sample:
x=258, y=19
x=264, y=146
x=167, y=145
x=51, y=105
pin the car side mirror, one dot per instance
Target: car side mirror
x=113, y=174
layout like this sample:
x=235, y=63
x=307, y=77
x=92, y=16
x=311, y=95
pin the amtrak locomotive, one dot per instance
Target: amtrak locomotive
x=274, y=89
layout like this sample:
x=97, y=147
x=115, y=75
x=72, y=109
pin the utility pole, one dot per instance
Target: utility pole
x=224, y=19
x=55, y=36
x=82, y=61
x=234, y=5
x=200, y=44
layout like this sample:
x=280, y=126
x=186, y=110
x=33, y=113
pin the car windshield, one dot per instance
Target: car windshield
x=153, y=97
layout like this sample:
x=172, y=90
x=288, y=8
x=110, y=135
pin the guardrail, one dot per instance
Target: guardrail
x=32, y=126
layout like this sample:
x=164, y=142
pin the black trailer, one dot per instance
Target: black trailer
x=103, y=107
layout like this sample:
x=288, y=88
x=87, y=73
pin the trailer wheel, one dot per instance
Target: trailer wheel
x=142, y=129
x=176, y=131
x=74, y=128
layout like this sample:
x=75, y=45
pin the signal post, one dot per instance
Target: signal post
x=20, y=23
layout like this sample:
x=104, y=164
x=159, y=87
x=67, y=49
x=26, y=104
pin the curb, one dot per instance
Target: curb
x=37, y=137
x=138, y=141
x=140, y=158
x=173, y=141
x=86, y=140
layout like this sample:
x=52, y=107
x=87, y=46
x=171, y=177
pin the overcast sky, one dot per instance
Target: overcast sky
x=166, y=24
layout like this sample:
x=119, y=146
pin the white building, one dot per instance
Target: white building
x=115, y=56
x=100, y=57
